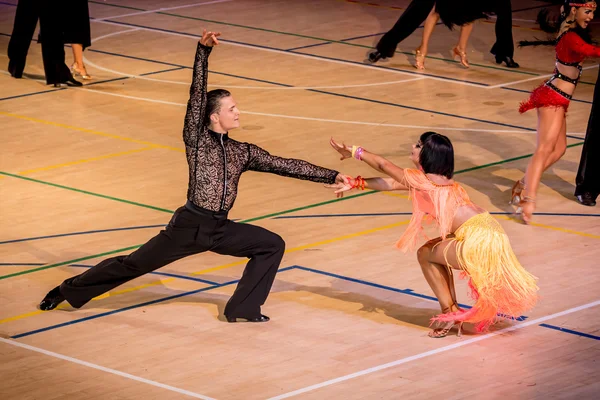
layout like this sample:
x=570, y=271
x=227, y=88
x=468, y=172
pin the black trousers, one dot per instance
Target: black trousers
x=414, y=15
x=504, y=46
x=192, y=231
x=588, y=176
x=26, y=19
x=50, y=15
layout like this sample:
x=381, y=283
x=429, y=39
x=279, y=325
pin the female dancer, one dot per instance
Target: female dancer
x=430, y=11
x=77, y=33
x=470, y=239
x=552, y=98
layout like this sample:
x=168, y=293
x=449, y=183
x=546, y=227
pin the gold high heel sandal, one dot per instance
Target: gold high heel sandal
x=75, y=71
x=517, y=190
x=462, y=55
x=419, y=59
x=444, y=329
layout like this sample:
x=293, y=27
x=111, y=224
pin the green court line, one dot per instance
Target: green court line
x=68, y=262
x=507, y=160
x=256, y=218
x=511, y=70
x=87, y=192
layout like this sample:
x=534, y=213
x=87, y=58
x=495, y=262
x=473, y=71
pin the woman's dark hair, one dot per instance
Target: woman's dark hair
x=437, y=155
x=553, y=25
x=425, y=135
x=213, y=102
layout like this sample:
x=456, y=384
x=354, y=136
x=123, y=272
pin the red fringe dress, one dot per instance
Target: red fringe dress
x=571, y=50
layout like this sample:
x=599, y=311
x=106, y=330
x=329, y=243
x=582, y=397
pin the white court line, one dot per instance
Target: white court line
x=532, y=79
x=86, y=61
x=336, y=121
x=104, y=369
x=433, y=352
x=145, y=78
x=161, y=10
x=309, y=56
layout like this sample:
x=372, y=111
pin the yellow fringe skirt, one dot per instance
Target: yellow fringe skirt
x=500, y=286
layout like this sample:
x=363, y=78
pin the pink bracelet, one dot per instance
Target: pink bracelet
x=358, y=153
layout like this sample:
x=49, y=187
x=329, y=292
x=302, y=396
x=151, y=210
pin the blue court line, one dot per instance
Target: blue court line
x=389, y=214
x=258, y=46
x=337, y=94
x=541, y=214
x=189, y=278
x=355, y=97
x=560, y=329
x=83, y=233
x=409, y=292
x=76, y=321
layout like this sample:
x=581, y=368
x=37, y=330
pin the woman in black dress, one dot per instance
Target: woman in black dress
x=77, y=33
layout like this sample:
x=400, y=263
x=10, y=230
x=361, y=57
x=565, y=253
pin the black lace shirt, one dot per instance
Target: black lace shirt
x=216, y=161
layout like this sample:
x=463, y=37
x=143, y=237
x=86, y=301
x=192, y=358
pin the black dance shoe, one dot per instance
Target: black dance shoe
x=261, y=318
x=52, y=299
x=16, y=71
x=586, y=199
x=375, y=56
x=510, y=63
x=69, y=82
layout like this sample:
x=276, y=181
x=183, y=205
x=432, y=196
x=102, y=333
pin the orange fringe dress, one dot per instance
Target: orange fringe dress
x=500, y=286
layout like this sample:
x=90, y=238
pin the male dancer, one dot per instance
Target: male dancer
x=216, y=163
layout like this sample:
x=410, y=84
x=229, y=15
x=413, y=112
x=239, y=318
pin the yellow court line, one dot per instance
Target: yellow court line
x=64, y=305
x=205, y=271
x=402, y=196
x=93, y=132
x=71, y=163
x=328, y=241
x=553, y=228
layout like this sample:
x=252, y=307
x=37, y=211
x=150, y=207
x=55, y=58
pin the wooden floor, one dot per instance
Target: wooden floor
x=86, y=173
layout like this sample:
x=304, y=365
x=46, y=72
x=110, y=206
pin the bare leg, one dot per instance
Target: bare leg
x=556, y=154
x=437, y=258
x=461, y=48
x=436, y=275
x=78, y=61
x=428, y=29
x=551, y=145
x=463, y=39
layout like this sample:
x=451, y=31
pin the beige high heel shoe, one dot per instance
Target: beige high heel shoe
x=419, y=59
x=462, y=55
x=76, y=71
x=444, y=328
x=517, y=190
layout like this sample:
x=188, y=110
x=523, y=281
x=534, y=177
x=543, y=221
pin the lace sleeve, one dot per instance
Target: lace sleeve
x=196, y=107
x=261, y=160
x=580, y=46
